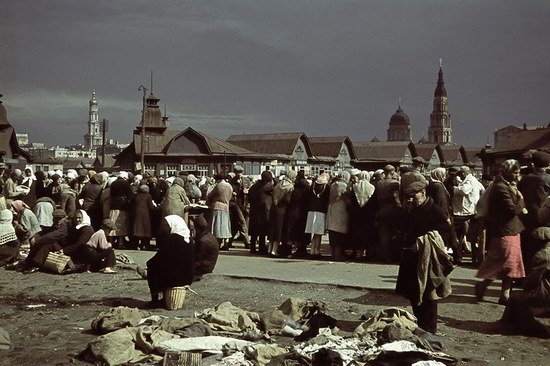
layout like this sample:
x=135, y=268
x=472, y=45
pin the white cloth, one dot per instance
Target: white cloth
x=466, y=195
x=86, y=221
x=211, y=344
x=44, y=213
x=315, y=223
x=178, y=226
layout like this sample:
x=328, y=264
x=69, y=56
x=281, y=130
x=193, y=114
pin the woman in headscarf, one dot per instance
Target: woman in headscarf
x=175, y=200
x=218, y=203
x=29, y=181
x=79, y=232
x=362, y=213
x=9, y=244
x=338, y=215
x=90, y=198
x=43, y=209
x=140, y=211
x=316, y=212
x=27, y=224
x=503, y=260
x=437, y=191
x=40, y=184
x=98, y=253
x=173, y=264
x=281, y=198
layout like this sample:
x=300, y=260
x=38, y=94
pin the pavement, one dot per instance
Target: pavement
x=238, y=262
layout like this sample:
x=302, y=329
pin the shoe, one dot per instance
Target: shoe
x=12, y=266
x=107, y=270
x=503, y=301
x=479, y=292
x=30, y=270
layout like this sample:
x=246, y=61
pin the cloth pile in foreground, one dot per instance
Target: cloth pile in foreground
x=298, y=332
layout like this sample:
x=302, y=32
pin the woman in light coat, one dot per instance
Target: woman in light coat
x=338, y=215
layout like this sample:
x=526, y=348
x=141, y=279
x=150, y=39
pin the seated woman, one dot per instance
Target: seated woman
x=26, y=224
x=9, y=245
x=98, y=253
x=79, y=233
x=173, y=264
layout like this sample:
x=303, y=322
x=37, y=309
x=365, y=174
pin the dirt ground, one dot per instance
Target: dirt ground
x=48, y=316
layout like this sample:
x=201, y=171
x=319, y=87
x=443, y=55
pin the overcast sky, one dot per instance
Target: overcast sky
x=322, y=67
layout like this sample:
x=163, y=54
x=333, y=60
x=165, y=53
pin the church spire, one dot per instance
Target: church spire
x=440, y=131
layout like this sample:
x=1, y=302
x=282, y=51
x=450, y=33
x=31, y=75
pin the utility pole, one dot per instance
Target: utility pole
x=104, y=127
x=143, y=112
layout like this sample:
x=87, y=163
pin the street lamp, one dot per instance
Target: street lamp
x=142, y=152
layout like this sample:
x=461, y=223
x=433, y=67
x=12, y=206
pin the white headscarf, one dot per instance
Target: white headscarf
x=86, y=221
x=363, y=188
x=178, y=226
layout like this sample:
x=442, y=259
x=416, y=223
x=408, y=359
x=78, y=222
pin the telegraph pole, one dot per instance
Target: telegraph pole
x=143, y=112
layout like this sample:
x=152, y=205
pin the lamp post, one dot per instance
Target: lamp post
x=142, y=152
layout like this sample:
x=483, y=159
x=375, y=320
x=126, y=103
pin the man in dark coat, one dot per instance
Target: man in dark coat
x=207, y=248
x=534, y=187
x=259, y=197
x=422, y=217
x=120, y=196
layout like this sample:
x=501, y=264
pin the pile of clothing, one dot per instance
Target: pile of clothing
x=298, y=332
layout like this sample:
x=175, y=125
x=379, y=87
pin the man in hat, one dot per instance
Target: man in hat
x=412, y=175
x=534, y=187
x=387, y=192
x=426, y=231
x=53, y=241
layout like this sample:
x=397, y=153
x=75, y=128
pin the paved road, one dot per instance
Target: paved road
x=237, y=262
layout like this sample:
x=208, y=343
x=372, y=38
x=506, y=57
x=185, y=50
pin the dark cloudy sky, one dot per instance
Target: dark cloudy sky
x=231, y=66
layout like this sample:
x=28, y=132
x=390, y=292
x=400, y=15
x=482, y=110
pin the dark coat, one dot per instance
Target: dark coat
x=120, y=195
x=504, y=209
x=259, y=197
x=441, y=197
x=296, y=212
x=140, y=212
x=76, y=238
x=318, y=197
x=207, y=250
x=419, y=221
x=90, y=194
x=535, y=187
x=172, y=265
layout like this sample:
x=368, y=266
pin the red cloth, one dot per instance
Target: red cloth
x=503, y=259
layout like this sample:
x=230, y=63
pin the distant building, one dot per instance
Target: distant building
x=400, y=126
x=440, y=130
x=93, y=138
x=22, y=139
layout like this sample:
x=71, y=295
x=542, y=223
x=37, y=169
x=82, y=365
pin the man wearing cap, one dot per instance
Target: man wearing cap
x=413, y=175
x=464, y=200
x=50, y=242
x=535, y=188
x=237, y=206
x=426, y=232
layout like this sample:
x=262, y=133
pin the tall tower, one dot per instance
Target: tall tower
x=93, y=138
x=400, y=126
x=440, y=131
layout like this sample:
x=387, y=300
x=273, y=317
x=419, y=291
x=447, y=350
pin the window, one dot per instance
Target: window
x=203, y=170
x=172, y=170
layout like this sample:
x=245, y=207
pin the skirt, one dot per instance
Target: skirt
x=315, y=223
x=503, y=259
x=221, y=224
x=120, y=218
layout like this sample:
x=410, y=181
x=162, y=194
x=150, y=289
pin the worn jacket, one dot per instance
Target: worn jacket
x=505, y=206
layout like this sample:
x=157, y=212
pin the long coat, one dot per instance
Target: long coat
x=259, y=197
x=174, y=201
x=140, y=211
x=296, y=213
x=505, y=206
x=338, y=210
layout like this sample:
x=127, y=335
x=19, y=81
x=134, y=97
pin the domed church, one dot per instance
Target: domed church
x=400, y=126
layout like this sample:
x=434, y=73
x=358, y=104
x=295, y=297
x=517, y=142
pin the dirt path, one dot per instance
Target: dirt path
x=48, y=316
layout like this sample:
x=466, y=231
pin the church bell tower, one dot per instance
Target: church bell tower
x=440, y=131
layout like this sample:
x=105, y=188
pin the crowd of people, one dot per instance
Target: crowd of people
x=413, y=217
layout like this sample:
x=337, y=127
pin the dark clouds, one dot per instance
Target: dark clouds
x=322, y=67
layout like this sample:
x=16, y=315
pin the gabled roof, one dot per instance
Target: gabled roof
x=331, y=146
x=384, y=150
x=213, y=145
x=426, y=151
x=454, y=154
x=524, y=140
x=271, y=143
x=472, y=153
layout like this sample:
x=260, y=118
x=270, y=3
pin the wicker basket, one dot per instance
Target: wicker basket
x=174, y=297
x=56, y=262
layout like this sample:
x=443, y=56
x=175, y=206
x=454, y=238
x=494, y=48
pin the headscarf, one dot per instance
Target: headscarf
x=7, y=231
x=27, y=180
x=19, y=206
x=323, y=179
x=178, y=226
x=438, y=174
x=123, y=175
x=284, y=186
x=144, y=188
x=339, y=187
x=363, y=188
x=86, y=221
x=72, y=174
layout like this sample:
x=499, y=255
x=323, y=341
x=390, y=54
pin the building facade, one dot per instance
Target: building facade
x=400, y=126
